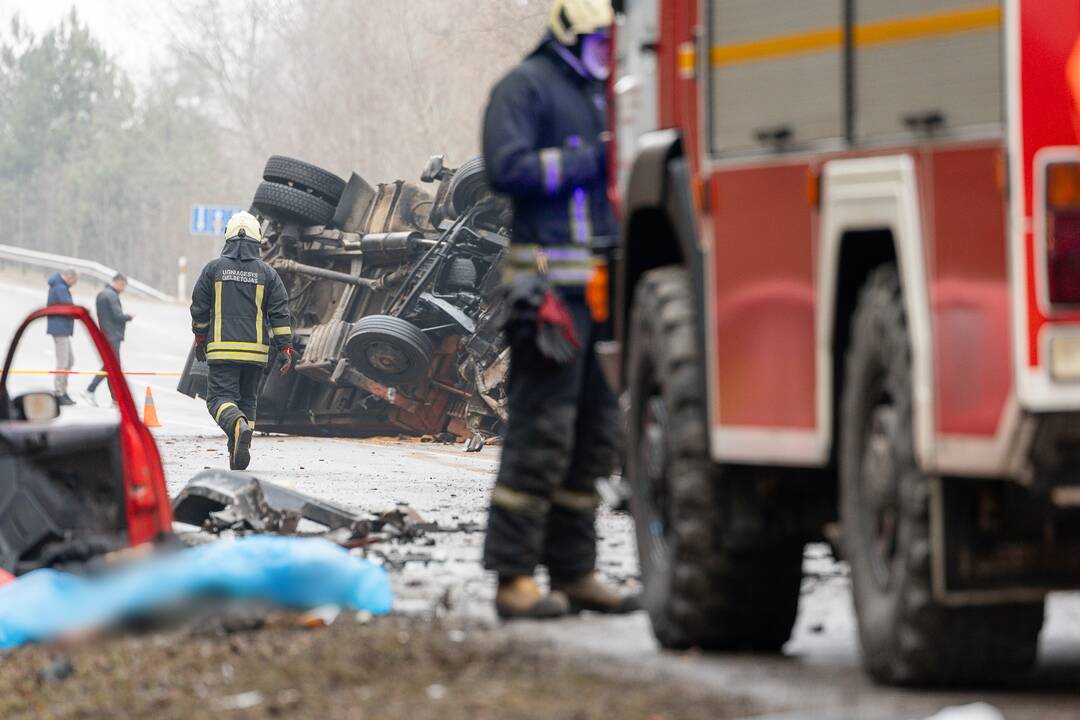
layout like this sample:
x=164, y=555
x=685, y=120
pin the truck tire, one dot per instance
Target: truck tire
x=389, y=350
x=698, y=590
x=282, y=202
x=907, y=637
x=468, y=186
x=289, y=171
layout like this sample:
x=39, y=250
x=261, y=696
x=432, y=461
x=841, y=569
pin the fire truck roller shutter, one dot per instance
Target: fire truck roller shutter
x=775, y=64
x=920, y=58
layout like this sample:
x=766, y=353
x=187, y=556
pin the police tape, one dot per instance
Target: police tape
x=93, y=372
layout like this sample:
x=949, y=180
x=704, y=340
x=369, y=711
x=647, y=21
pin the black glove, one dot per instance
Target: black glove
x=200, y=348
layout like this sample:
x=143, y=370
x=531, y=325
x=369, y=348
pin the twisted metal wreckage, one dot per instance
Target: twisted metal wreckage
x=393, y=292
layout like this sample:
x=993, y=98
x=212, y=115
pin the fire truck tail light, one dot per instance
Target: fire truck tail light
x=1063, y=232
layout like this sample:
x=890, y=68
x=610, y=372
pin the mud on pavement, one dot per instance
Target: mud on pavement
x=392, y=667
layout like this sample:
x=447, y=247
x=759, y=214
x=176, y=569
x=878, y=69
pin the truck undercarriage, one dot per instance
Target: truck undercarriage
x=393, y=293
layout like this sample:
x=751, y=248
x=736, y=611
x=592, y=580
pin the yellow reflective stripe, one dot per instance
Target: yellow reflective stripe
x=247, y=357
x=518, y=502
x=259, y=289
x=582, y=502
x=241, y=346
x=282, y=330
x=954, y=22
x=217, y=310
x=222, y=407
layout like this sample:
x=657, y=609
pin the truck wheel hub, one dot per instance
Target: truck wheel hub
x=387, y=358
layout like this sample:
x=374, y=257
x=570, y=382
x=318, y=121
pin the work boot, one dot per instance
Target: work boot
x=240, y=445
x=521, y=597
x=589, y=592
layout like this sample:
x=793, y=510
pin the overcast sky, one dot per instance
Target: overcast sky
x=131, y=30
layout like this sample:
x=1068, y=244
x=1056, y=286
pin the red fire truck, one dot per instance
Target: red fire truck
x=847, y=307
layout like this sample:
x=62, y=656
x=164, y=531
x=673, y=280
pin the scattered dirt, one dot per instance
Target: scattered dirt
x=388, y=668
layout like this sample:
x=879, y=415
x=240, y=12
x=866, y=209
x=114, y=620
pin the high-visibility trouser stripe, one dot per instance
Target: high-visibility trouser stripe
x=897, y=30
x=531, y=253
x=560, y=265
x=519, y=502
x=581, y=502
x=551, y=162
x=240, y=346
x=222, y=408
x=259, y=290
x=281, y=330
x=217, y=310
x=241, y=356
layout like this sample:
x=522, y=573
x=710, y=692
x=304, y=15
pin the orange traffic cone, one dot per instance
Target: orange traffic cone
x=149, y=413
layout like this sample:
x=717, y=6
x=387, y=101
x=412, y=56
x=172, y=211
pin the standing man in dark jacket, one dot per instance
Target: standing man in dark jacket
x=61, y=329
x=238, y=304
x=113, y=322
x=545, y=147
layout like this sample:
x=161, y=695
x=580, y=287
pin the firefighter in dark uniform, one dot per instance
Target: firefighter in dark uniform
x=544, y=147
x=239, y=305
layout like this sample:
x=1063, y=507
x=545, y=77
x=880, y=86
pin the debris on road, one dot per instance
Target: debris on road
x=220, y=500
x=228, y=502
x=393, y=296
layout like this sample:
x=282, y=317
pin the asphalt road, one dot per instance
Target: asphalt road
x=818, y=673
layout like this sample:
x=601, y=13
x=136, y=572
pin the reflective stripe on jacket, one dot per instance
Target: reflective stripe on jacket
x=240, y=304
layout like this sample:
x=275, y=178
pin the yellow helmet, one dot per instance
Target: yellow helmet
x=571, y=19
x=243, y=223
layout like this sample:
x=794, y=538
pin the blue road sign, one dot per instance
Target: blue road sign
x=211, y=219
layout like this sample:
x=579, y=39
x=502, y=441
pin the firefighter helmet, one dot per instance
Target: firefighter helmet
x=243, y=223
x=570, y=19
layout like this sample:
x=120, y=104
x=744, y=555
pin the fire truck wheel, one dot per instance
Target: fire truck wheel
x=907, y=637
x=698, y=591
x=288, y=171
x=389, y=350
x=288, y=203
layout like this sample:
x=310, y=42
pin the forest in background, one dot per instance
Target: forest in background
x=92, y=165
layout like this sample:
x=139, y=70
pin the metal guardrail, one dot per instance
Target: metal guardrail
x=50, y=261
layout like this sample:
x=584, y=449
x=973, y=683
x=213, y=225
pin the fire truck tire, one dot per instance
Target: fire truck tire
x=389, y=350
x=907, y=637
x=698, y=591
x=282, y=202
x=468, y=185
x=289, y=171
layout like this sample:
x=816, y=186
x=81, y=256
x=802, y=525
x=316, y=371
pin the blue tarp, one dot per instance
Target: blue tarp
x=297, y=573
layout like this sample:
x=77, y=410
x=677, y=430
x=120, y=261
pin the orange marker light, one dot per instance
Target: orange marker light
x=596, y=294
x=1063, y=185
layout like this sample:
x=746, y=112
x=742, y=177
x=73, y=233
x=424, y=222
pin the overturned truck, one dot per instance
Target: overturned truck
x=393, y=292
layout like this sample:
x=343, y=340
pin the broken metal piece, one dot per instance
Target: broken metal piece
x=224, y=498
